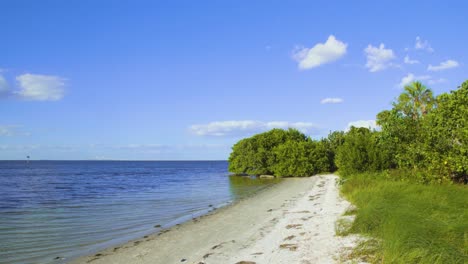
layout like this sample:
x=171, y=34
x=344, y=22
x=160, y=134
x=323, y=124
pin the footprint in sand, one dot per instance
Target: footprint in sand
x=292, y=247
x=295, y=226
x=217, y=246
x=302, y=212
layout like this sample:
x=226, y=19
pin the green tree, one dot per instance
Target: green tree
x=416, y=101
x=255, y=155
x=402, y=132
x=334, y=140
x=426, y=138
x=446, y=134
x=362, y=150
x=301, y=158
x=293, y=159
x=352, y=156
x=243, y=157
x=320, y=157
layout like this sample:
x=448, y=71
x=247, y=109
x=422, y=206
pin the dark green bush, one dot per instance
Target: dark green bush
x=281, y=153
x=423, y=136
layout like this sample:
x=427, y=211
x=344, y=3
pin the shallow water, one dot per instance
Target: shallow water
x=64, y=209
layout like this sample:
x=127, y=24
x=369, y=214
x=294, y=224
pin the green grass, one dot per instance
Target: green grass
x=408, y=222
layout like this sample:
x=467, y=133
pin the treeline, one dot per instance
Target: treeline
x=281, y=153
x=423, y=136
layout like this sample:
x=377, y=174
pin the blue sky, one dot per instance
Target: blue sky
x=159, y=80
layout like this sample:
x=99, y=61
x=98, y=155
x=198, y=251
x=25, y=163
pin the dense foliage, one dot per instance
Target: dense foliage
x=281, y=153
x=446, y=135
x=421, y=134
x=422, y=139
x=362, y=150
x=428, y=135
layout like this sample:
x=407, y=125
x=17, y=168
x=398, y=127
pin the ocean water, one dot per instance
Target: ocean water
x=53, y=211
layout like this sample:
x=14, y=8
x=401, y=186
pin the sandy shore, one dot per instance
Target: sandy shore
x=292, y=222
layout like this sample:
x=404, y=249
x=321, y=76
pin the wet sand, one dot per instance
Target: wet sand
x=291, y=222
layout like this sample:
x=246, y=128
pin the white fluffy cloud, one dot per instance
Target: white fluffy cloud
x=3, y=85
x=407, y=60
x=371, y=124
x=321, y=53
x=378, y=58
x=411, y=78
x=332, y=100
x=448, y=64
x=40, y=87
x=245, y=127
x=423, y=45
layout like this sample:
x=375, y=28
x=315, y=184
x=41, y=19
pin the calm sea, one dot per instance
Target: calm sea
x=53, y=211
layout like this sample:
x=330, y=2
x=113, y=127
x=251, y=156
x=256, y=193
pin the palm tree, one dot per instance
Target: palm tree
x=416, y=101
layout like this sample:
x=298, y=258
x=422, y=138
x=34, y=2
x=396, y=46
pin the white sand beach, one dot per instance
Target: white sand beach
x=291, y=222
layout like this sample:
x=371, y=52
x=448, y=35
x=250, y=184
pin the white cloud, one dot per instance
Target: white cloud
x=19, y=147
x=161, y=148
x=371, y=124
x=156, y=146
x=436, y=81
x=410, y=61
x=40, y=87
x=331, y=100
x=319, y=54
x=423, y=45
x=448, y=64
x=378, y=58
x=411, y=78
x=3, y=85
x=8, y=130
x=141, y=146
x=61, y=148
x=245, y=127
x=225, y=128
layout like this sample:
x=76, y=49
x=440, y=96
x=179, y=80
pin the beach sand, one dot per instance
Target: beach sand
x=291, y=222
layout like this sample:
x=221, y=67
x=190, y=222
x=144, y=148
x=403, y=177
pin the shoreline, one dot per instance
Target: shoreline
x=163, y=228
x=230, y=233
